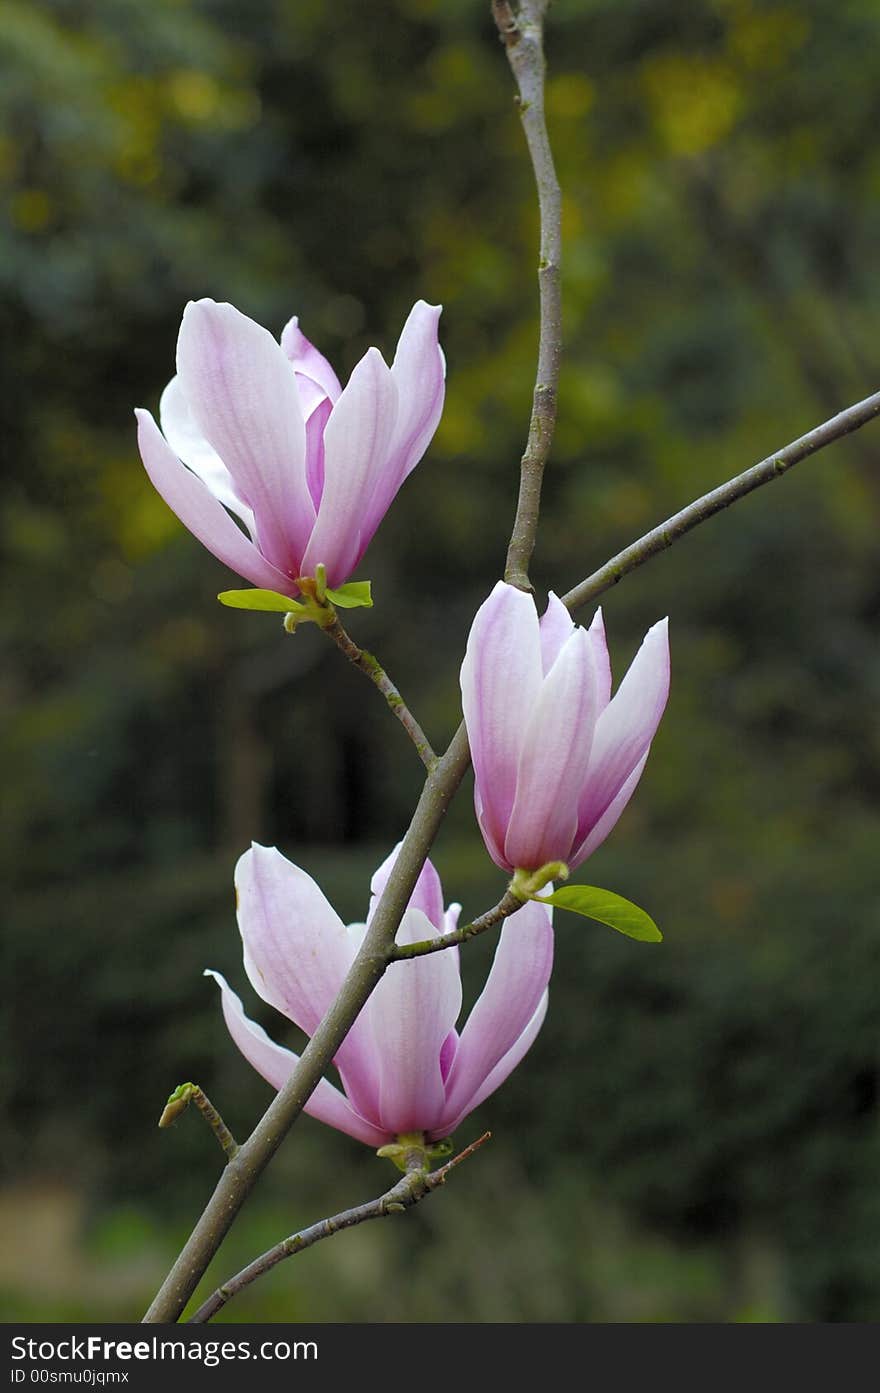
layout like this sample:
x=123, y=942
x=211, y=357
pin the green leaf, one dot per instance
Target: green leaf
x=258, y=599
x=608, y=908
x=355, y=594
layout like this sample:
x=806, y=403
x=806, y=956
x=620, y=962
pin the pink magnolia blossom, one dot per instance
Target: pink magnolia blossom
x=403, y=1066
x=556, y=758
x=267, y=432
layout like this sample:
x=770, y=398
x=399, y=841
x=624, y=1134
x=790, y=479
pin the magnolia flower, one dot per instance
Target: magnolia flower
x=556, y=758
x=266, y=431
x=403, y=1066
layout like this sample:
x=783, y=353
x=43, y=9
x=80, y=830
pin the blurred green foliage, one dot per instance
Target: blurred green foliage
x=695, y=1135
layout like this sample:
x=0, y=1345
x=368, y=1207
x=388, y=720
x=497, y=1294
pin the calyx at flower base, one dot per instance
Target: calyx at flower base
x=410, y=1152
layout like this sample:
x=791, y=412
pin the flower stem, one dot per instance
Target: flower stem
x=373, y=669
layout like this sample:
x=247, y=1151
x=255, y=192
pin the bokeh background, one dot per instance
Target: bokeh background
x=695, y=1135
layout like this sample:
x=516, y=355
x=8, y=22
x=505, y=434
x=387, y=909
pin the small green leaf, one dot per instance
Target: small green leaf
x=355, y=594
x=608, y=908
x=258, y=599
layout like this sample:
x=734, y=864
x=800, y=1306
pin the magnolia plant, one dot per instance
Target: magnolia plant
x=285, y=475
x=556, y=758
x=405, y=1070
x=262, y=432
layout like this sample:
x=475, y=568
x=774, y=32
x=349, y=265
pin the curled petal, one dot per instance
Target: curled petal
x=515, y=986
x=200, y=511
x=625, y=728
x=418, y=373
x=601, y=829
x=501, y=680
x=601, y=659
x=411, y=1013
x=502, y=1070
x=188, y=443
x=448, y=1051
x=307, y=361
x=276, y=1064
x=556, y=628
x=315, y=426
x=243, y=397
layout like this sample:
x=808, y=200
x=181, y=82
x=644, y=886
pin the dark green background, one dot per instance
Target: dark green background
x=695, y=1134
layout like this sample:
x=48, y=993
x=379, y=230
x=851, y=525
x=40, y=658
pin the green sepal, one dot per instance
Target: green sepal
x=439, y=1150
x=268, y=600
x=527, y=885
x=607, y=908
x=355, y=594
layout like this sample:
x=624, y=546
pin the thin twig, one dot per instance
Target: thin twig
x=522, y=33
x=373, y=669
x=407, y=1193
x=662, y=536
x=186, y=1093
x=505, y=907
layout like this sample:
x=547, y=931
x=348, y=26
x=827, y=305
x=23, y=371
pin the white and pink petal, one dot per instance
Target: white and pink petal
x=625, y=728
x=556, y=628
x=514, y=989
x=609, y=819
x=419, y=371
x=202, y=513
x=554, y=760
x=297, y=952
x=503, y=1069
x=190, y=446
x=501, y=679
x=356, y=442
x=242, y=394
x=276, y=1064
x=307, y=361
x=427, y=893
x=411, y=1014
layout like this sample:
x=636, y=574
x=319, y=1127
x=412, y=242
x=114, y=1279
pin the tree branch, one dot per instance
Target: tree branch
x=662, y=536
x=506, y=906
x=373, y=669
x=522, y=33
x=413, y=1187
x=524, y=48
